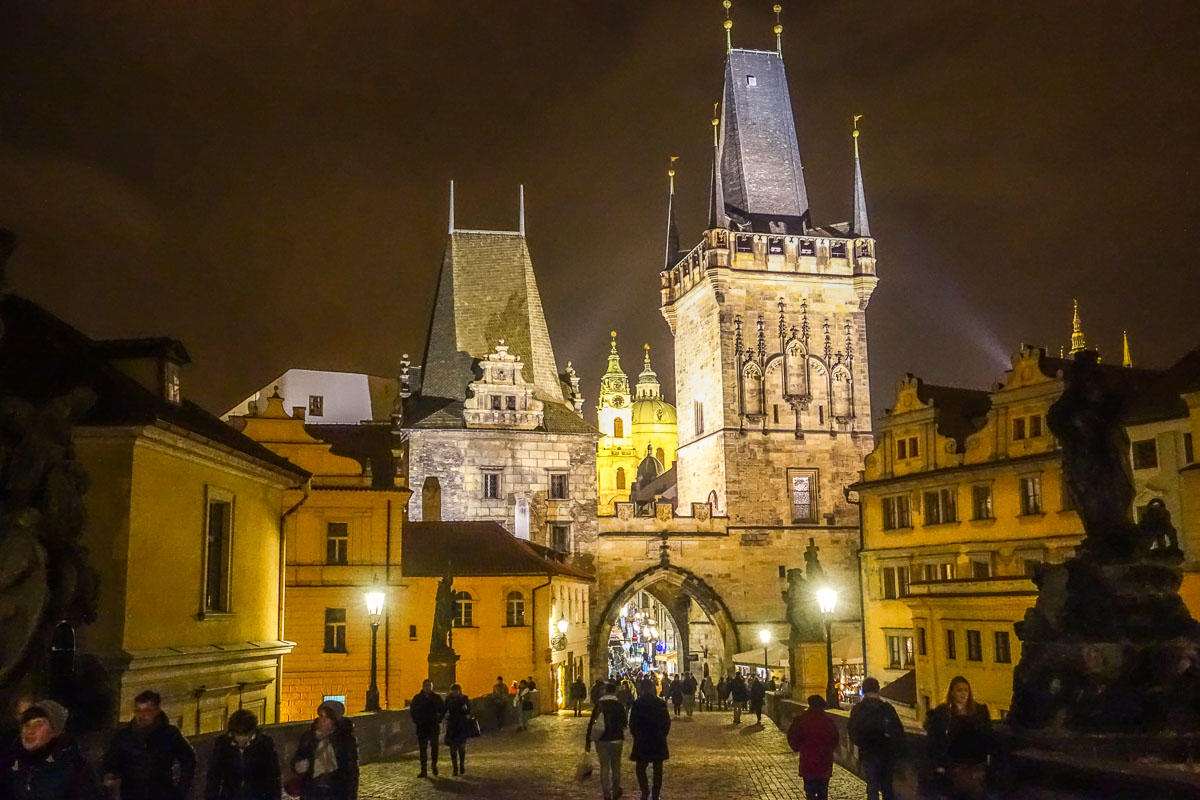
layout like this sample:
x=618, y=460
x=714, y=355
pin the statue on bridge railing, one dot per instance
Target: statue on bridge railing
x=442, y=658
x=1110, y=646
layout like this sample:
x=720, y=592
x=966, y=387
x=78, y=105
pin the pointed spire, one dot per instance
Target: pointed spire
x=778, y=30
x=1077, y=341
x=672, y=252
x=648, y=385
x=714, y=220
x=728, y=27
x=860, y=224
x=615, y=380
x=521, y=221
x=451, y=206
x=1126, y=358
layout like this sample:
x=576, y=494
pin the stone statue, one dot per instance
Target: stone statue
x=804, y=614
x=1109, y=648
x=442, y=642
x=1087, y=421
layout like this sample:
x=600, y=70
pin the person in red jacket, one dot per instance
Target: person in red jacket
x=814, y=736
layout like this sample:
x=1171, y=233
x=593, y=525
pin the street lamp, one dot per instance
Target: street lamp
x=765, y=636
x=375, y=614
x=562, y=625
x=559, y=640
x=827, y=599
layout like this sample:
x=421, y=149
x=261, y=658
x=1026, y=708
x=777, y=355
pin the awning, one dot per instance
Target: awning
x=846, y=650
x=902, y=690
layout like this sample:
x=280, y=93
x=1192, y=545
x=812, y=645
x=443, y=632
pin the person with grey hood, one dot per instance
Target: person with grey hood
x=326, y=759
x=47, y=765
x=607, y=730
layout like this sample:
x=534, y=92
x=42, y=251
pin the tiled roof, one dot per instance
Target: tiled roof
x=42, y=357
x=902, y=690
x=474, y=549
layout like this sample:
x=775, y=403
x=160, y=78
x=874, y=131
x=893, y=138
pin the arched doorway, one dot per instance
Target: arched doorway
x=697, y=612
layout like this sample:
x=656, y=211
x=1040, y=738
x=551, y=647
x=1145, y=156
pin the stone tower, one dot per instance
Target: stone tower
x=768, y=315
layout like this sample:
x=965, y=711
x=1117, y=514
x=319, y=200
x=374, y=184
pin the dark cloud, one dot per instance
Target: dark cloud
x=267, y=181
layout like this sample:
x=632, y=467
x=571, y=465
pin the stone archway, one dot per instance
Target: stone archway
x=669, y=584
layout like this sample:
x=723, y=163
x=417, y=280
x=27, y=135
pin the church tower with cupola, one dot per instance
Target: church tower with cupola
x=616, y=457
x=768, y=313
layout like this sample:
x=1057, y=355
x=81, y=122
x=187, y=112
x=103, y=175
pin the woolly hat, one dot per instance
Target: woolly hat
x=48, y=710
x=333, y=709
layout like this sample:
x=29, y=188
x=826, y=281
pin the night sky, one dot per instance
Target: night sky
x=268, y=181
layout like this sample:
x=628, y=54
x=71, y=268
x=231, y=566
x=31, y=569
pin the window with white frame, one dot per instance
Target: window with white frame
x=896, y=512
x=464, y=610
x=218, y=551
x=941, y=505
x=491, y=484
x=515, y=616
x=1031, y=495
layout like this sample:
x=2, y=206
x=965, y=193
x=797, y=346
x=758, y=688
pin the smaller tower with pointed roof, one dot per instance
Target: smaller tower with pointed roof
x=616, y=456
x=1078, y=342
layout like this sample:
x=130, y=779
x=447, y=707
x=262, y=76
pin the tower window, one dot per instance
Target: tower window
x=316, y=405
x=751, y=80
x=661, y=456
x=620, y=477
x=510, y=403
x=1145, y=454
x=837, y=250
x=619, y=428
x=558, y=486
x=491, y=485
x=560, y=537
x=775, y=413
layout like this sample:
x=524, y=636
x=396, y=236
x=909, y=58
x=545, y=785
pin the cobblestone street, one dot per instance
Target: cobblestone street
x=710, y=758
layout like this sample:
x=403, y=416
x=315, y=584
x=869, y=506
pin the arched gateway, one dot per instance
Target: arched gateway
x=677, y=589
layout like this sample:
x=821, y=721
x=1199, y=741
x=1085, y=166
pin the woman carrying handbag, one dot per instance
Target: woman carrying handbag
x=460, y=726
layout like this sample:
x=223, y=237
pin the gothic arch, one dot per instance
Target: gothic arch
x=665, y=582
x=841, y=395
x=752, y=390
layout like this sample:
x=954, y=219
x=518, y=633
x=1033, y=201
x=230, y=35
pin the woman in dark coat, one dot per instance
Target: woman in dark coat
x=459, y=724
x=675, y=692
x=960, y=741
x=243, y=765
x=649, y=724
x=326, y=759
x=758, y=691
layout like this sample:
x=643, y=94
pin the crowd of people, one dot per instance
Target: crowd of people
x=149, y=759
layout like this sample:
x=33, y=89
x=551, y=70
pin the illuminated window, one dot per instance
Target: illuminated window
x=464, y=610
x=491, y=485
x=661, y=456
x=981, y=501
x=620, y=477
x=802, y=484
x=751, y=80
x=943, y=571
x=619, y=428
x=1031, y=495
x=516, y=610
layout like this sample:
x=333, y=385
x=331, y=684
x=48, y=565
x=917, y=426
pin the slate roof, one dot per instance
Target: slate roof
x=438, y=413
x=474, y=549
x=370, y=444
x=486, y=292
x=760, y=172
x=960, y=412
x=42, y=357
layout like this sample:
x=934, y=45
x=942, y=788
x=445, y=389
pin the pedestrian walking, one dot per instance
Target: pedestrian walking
x=579, y=695
x=520, y=701
x=649, y=724
x=814, y=736
x=738, y=695
x=758, y=692
x=145, y=755
x=689, y=693
x=675, y=692
x=460, y=726
x=771, y=685
x=625, y=694
x=326, y=760
x=960, y=742
x=597, y=691
x=427, y=709
x=500, y=701
x=876, y=731
x=707, y=693
x=607, y=729
x=46, y=764
x=722, y=693
x=244, y=765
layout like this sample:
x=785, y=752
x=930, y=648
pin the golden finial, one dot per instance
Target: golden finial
x=671, y=172
x=1126, y=359
x=778, y=30
x=857, y=117
x=716, y=121
x=728, y=27
x=1077, y=341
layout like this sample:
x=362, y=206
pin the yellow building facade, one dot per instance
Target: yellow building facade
x=634, y=424
x=348, y=535
x=964, y=495
x=182, y=525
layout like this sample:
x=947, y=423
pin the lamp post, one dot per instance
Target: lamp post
x=827, y=599
x=765, y=636
x=375, y=614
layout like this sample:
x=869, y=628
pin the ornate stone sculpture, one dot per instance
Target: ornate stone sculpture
x=1110, y=646
x=804, y=615
x=442, y=658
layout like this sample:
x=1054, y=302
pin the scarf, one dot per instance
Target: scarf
x=324, y=759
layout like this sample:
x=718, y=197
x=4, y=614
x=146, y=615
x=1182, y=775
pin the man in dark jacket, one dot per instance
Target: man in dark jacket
x=607, y=729
x=244, y=765
x=876, y=731
x=141, y=759
x=597, y=691
x=46, y=765
x=579, y=694
x=738, y=695
x=649, y=724
x=689, y=693
x=758, y=693
x=500, y=701
x=427, y=710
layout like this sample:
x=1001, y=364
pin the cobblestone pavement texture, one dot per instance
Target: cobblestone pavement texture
x=710, y=758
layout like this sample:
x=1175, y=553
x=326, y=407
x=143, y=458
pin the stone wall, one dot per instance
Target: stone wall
x=526, y=459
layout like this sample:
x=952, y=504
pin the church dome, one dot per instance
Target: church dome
x=653, y=411
x=649, y=469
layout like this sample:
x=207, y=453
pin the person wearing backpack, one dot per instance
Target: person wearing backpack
x=876, y=731
x=607, y=730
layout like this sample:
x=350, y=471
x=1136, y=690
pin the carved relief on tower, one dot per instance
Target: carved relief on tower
x=502, y=398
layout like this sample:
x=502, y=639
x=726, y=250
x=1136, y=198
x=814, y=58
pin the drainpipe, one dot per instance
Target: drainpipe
x=387, y=619
x=306, y=488
x=533, y=621
x=862, y=594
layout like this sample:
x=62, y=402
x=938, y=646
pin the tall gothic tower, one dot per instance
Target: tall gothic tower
x=768, y=315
